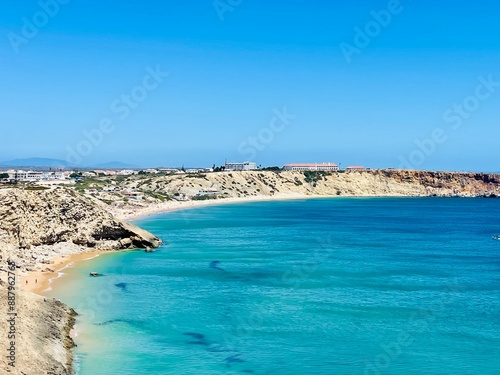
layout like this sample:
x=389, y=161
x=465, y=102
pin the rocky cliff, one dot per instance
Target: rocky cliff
x=42, y=342
x=369, y=183
x=38, y=225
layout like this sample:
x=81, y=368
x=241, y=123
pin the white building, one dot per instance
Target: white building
x=136, y=195
x=168, y=170
x=32, y=176
x=208, y=192
x=331, y=167
x=127, y=172
x=245, y=166
x=21, y=175
x=59, y=175
x=356, y=168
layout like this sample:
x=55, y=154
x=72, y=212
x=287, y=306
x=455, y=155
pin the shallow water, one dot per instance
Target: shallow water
x=329, y=286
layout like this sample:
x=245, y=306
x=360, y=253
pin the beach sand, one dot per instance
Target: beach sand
x=168, y=206
x=40, y=280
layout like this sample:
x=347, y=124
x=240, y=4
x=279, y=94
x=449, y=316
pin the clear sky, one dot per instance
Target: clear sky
x=375, y=83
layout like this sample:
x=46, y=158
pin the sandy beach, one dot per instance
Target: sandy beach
x=169, y=206
x=40, y=280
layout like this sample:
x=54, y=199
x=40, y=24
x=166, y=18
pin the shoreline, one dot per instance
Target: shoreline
x=171, y=206
x=40, y=282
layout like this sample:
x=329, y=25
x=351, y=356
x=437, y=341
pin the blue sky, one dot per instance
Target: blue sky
x=232, y=69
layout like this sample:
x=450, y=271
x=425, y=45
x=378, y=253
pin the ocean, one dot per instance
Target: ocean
x=320, y=286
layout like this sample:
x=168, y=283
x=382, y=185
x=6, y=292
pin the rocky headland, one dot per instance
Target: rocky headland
x=34, y=227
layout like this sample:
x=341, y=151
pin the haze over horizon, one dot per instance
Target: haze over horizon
x=376, y=83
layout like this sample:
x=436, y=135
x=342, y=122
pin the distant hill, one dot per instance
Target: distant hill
x=35, y=162
x=115, y=165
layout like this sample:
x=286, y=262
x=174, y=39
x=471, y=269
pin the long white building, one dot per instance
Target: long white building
x=331, y=167
x=21, y=175
x=356, y=168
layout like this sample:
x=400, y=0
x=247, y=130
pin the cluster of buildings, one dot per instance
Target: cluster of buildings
x=331, y=167
x=109, y=172
x=327, y=167
x=36, y=176
x=130, y=172
x=53, y=176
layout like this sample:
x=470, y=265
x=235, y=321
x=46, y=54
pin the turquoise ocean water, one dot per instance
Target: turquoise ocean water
x=329, y=286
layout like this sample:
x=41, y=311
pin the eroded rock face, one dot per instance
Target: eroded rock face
x=34, y=227
x=364, y=184
x=42, y=339
x=37, y=225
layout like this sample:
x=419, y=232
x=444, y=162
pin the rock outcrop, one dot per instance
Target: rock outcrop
x=38, y=225
x=34, y=227
x=42, y=342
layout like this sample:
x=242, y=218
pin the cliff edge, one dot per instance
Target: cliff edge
x=38, y=225
x=34, y=227
x=369, y=183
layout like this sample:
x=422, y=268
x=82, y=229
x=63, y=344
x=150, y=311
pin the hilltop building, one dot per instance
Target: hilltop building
x=208, y=193
x=356, y=168
x=330, y=167
x=32, y=176
x=245, y=166
x=127, y=172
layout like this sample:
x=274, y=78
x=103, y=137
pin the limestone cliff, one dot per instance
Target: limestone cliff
x=37, y=225
x=369, y=183
x=42, y=341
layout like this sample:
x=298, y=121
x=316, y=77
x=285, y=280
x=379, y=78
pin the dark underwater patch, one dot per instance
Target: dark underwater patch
x=215, y=265
x=122, y=286
x=195, y=335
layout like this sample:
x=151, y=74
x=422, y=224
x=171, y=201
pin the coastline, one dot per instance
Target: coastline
x=40, y=281
x=170, y=206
